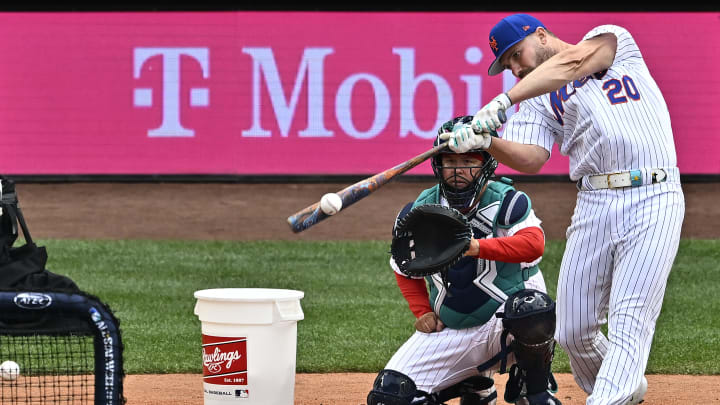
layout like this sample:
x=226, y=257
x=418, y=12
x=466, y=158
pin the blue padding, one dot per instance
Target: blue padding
x=515, y=208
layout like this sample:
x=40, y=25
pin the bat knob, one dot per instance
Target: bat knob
x=502, y=116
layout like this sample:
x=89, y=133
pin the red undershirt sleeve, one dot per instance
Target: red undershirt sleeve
x=525, y=246
x=415, y=292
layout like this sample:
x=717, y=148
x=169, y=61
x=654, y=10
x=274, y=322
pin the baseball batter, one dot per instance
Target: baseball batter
x=458, y=335
x=599, y=103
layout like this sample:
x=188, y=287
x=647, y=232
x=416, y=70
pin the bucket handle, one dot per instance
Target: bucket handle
x=289, y=310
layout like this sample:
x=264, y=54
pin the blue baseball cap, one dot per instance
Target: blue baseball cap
x=508, y=32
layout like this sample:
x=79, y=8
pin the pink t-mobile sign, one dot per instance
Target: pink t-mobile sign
x=255, y=93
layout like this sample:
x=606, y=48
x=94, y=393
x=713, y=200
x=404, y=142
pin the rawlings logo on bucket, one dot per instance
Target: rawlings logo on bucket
x=214, y=361
x=224, y=360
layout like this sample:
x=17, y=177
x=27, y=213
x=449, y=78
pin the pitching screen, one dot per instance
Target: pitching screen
x=58, y=348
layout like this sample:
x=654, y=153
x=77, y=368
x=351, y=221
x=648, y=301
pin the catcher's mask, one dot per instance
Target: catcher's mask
x=462, y=199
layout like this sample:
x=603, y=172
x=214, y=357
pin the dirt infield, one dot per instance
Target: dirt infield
x=259, y=211
x=234, y=211
x=352, y=388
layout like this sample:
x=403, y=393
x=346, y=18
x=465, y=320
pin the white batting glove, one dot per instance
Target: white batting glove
x=492, y=116
x=464, y=139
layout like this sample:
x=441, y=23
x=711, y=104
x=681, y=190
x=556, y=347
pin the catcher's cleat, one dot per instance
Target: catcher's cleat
x=542, y=398
x=485, y=397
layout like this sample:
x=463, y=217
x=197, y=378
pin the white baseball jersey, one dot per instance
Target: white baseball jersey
x=621, y=242
x=611, y=122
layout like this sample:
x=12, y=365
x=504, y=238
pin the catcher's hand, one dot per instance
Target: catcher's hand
x=473, y=248
x=430, y=239
x=429, y=323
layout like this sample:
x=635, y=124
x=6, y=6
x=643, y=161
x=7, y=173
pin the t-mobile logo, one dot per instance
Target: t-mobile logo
x=199, y=96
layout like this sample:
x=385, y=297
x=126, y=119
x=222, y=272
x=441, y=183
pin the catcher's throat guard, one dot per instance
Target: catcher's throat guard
x=430, y=239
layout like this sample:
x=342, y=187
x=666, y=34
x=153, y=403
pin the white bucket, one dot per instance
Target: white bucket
x=249, y=340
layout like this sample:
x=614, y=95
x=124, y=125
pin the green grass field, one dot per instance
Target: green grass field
x=355, y=316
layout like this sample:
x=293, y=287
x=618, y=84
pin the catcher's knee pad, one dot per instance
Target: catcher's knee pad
x=530, y=317
x=395, y=388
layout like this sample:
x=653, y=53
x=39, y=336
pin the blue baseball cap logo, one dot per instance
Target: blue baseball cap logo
x=508, y=32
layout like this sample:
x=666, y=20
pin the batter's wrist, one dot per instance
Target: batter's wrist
x=509, y=100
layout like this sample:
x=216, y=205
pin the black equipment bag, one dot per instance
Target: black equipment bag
x=23, y=267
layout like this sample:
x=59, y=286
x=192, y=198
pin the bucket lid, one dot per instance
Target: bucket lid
x=248, y=294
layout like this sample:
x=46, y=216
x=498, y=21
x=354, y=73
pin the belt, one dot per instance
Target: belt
x=632, y=178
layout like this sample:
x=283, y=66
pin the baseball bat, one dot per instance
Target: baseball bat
x=312, y=214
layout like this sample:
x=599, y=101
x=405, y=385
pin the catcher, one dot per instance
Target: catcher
x=477, y=243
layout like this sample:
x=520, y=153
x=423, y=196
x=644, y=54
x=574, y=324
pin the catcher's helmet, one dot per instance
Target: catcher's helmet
x=462, y=199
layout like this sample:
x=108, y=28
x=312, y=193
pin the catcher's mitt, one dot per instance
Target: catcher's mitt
x=430, y=239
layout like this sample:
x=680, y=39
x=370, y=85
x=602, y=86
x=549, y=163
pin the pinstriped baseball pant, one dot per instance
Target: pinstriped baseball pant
x=438, y=360
x=621, y=245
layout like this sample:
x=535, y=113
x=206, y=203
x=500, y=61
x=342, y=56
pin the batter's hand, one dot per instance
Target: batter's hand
x=464, y=139
x=492, y=116
x=429, y=323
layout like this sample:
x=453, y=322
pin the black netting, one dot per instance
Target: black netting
x=54, y=369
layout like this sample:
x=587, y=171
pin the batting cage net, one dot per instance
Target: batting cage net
x=58, y=344
x=59, y=348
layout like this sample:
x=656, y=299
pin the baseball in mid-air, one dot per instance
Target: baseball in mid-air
x=330, y=203
x=9, y=370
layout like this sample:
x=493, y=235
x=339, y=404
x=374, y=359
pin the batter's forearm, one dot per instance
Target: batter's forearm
x=533, y=86
x=573, y=63
x=521, y=157
x=549, y=76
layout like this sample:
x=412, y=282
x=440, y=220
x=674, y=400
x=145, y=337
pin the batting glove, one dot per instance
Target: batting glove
x=464, y=139
x=488, y=118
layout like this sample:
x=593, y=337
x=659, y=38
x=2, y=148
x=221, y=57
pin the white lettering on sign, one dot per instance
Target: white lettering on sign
x=199, y=97
x=310, y=74
x=310, y=65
